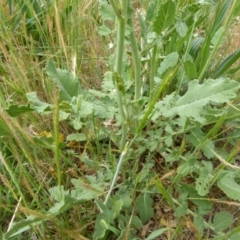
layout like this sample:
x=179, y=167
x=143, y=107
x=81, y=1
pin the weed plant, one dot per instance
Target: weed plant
x=119, y=120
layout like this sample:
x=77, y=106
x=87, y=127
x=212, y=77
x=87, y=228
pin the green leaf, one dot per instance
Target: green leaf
x=192, y=103
x=104, y=30
x=107, y=84
x=204, y=206
x=151, y=11
x=38, y=105
x=117, y=207
x=16, y=110
x=58, y=193
x=84, y=191
x=181, y=28
x=222, y=221
x=144, y=207
x=67, y=83
x=196, y=46
x=198, y=140
x=203, y=182
x=86, y=109
x=199, y=223
x=63, y=115
x=106, y=11
x=168, y=140
x=100, y=227
x=62, y=206
x=142, y=24
x=79, y=137
x=188, y=167
x=165, y=16
x=190, y=69
x=225, y=65
x=182, y=209
x=156, y=233
x=22, y=226
x=103, y=221
x=76, y=123
x=169, y=62
x=136, y=222
x=228, y=185
x=4, y=129
x=218, y=39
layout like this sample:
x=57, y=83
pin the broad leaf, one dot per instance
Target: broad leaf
x=103, y=221
x=136, y=222
x=222, y=221
x=190, y=69
x=192, y=103
x=67, y=83
x=106, y=11
x=144, y=207
x=84, y=191
x=181, y=28
x=165, y=16
x=199, y=223
x=228, y=185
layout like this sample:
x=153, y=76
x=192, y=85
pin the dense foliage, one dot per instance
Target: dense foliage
x=119, y=120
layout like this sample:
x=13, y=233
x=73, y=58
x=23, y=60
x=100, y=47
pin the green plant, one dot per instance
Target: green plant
x=165, y=106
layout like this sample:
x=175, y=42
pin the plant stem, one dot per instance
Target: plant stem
x=121, y=22
x=153, y=102
x=153, y=69
x=136, y=60
x=56, y=141
x=116, y=173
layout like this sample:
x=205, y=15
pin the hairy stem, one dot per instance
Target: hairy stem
x=121, y=23
x=136, y=60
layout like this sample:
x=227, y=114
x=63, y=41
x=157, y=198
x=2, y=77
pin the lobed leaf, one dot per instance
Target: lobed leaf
x=67, y=83
x=203, y=182
x=165, y=16
x=169, y=61
x=38, y=105
x=192, y=103
x=106, y=11
x=151, y=11
x=104, y=30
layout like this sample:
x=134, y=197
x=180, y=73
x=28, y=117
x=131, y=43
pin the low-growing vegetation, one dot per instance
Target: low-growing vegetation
x=119, y=120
